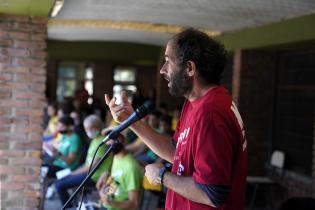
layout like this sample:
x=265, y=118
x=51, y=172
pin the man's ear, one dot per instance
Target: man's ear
x=191, y=68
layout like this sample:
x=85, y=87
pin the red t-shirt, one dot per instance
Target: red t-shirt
x=211, y=148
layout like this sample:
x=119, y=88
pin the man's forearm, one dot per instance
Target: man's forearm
x=158, y=143
x=186, y=187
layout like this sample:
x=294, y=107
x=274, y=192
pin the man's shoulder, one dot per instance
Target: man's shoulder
x=218, y=101
x=213, y=108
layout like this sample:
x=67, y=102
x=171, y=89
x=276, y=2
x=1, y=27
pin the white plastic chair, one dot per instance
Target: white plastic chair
x=277, y=163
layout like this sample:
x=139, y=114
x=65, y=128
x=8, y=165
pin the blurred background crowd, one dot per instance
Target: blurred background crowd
x=73, y=131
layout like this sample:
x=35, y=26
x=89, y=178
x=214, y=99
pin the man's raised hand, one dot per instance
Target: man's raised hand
x=120, y=112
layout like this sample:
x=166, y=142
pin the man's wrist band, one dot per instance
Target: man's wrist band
x=161, y=175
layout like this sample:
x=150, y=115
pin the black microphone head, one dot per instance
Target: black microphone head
x=142, y=111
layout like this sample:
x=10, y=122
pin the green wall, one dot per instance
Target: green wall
x=297, y=32
x=26, y=7
x=114, y=52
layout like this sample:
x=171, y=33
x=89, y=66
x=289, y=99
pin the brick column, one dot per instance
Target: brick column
x=22, y=99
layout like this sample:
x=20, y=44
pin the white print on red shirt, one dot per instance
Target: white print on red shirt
x=240, y=122
x=180, y=169
x=183, y=137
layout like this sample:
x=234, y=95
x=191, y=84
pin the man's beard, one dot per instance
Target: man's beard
x=180, y=83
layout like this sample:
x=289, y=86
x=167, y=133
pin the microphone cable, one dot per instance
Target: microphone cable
x=82, y=192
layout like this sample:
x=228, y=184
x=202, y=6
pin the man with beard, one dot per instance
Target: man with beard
x=210, y=158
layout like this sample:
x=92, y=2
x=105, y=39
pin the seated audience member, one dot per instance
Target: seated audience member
x=176, y=115
x=163, y=109
x=51, y=129
x=82, y=95
x=64, y=110
x=93, y=126
x=121, y=189
x=148, y=156
x=51, y=134
x=137, y=98
x=137, y=147
x=83, y=111
x=79, y=129
x=165, y=124
x=130, y=136
x=97, y=108
x=67, y=154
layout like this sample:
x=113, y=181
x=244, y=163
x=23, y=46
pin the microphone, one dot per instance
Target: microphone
x=138, y=114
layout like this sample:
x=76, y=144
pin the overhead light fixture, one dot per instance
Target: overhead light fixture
x=57, y=7
x=4, y=3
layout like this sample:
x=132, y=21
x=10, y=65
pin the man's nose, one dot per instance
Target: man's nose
x=162, y=70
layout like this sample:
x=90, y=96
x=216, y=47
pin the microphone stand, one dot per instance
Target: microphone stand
x=91, y=173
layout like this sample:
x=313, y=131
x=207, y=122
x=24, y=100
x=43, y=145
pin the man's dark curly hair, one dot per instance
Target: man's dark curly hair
x=208, y=55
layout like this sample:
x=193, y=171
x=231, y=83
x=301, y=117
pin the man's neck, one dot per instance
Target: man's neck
x=198, y=91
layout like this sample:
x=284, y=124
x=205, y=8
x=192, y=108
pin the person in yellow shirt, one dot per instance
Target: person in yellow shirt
x=51, y=129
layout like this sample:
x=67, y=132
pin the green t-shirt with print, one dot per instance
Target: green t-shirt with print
x=69, y=144
x=127, y=175
x=92, y=149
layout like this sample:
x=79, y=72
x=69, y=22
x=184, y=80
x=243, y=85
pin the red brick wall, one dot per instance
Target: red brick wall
x=22, y=86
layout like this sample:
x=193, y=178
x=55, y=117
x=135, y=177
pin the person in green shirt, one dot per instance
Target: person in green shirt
x=121, y=188
x=66, y=154
x=93, y=126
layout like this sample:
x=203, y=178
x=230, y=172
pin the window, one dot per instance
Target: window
x=89, y=82
x=70, y=75
x=124, y=79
